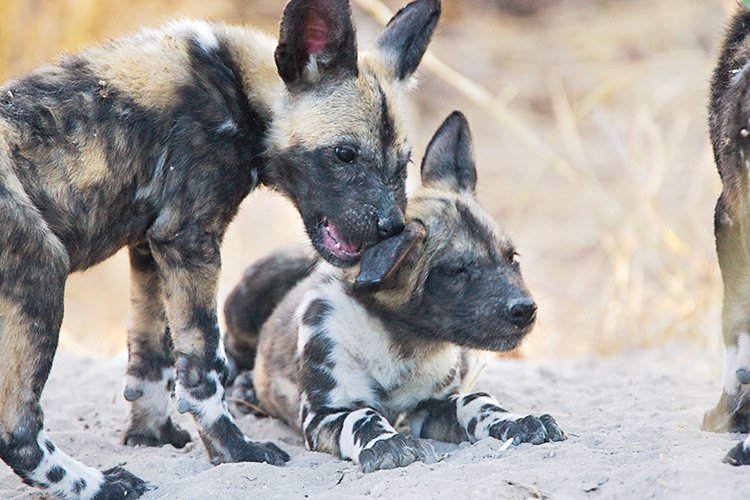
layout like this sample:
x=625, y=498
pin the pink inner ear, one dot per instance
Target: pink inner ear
x=316, y=34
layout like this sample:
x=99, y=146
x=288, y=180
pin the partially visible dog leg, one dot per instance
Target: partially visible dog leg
x=189, y=267
x=253, y=300
x=363, y=436
x=480, y=416
x=740, y=454
x=733, y=409
x=150, y=375
x=33, y=269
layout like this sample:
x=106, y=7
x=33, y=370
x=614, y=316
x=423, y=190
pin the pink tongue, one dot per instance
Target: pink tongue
x=346, y=247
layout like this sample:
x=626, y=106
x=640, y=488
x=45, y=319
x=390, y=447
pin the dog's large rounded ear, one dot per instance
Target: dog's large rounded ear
x=449, y=159
x=404, y=40
x=317, y=42
x=381, y=261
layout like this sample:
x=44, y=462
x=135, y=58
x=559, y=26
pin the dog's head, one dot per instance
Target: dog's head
x=337, y=144
x=452, y=274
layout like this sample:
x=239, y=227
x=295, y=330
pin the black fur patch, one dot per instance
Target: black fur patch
x=119, y=483
x=368, y=427
x=474, y=396
x=56, y=474
x=226, y=433
x=441, y=421
x=79, y=485
x=316, y=379
x=316, y=313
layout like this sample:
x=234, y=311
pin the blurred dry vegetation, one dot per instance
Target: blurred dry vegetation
x=592, y=154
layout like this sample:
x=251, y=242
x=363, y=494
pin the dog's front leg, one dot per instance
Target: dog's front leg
x=477, y=416
x=362, y=436
x=188, y=259
x=150, y=375
x=732, y=229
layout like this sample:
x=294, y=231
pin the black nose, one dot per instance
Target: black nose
x=521, y=312
x=389, y=226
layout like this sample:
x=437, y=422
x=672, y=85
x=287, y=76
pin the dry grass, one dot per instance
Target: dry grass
x=589, y=123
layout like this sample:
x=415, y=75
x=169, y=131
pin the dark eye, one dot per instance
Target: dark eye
x=345, y=154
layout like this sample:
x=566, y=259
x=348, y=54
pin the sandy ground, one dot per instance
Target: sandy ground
x=632, y=422
x=620, y=256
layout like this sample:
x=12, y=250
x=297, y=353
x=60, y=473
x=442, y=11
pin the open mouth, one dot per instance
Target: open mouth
x=335, y=243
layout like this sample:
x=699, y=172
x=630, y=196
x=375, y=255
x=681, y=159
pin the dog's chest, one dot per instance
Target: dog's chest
x=373, y=369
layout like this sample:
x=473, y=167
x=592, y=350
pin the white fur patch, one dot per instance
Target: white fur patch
x=736, y=357
x=155, y=399
x=206, y=411
x=484, y=419
x=74, y=471
x=349, y=447
x=365, y=356
x=205, y=36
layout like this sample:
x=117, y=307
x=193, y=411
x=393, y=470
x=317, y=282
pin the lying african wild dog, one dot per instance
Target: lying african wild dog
x=151, y=142
x=342, y=357
x=729, y=124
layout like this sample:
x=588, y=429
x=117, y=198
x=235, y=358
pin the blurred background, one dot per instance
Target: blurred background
x=589, y=121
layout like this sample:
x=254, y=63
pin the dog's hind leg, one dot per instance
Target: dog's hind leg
x=189, y=267
x=150, y=375
x=33, y=269
x=253, y=300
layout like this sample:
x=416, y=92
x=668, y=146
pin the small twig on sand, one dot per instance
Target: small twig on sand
x=255, y=408
x=532, y=489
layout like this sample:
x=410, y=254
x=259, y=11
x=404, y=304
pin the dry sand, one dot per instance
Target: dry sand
x=632, y=422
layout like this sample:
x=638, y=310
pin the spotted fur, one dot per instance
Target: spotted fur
x=729, y=115
x=344, y=355
x=151, y=142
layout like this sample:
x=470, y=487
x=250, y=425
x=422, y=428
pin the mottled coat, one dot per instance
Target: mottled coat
x=151, y=142
x=343, y=355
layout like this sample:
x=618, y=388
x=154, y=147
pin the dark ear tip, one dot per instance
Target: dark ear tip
x=458, y=116
x=456, y=124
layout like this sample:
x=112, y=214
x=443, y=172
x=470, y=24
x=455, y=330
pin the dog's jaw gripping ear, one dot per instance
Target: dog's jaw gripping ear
x=381, y=262
x=317, y=42
x=449, y=159
x=404, y=40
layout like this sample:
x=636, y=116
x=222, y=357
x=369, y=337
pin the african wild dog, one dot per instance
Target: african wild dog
x=151, y=142
x=729, y=124
x=341, y=357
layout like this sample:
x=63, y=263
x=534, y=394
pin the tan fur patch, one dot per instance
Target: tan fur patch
x=91, y=169
x=252, y=51
x=19, y=360
x=351, y=110
x=149, y=66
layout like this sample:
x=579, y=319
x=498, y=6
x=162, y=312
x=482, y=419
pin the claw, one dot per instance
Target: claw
x=131, y=393
x=743, y=376
x=183, y=406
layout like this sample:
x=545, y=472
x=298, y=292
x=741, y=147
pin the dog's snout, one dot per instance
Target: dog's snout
x=521, y=312
x=390, y=225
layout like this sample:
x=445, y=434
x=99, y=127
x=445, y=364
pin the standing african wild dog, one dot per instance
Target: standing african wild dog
x=729, y=123
x=151, y=142
x=342, y=357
